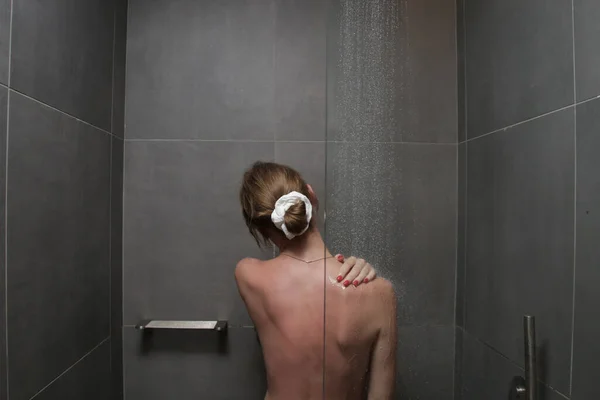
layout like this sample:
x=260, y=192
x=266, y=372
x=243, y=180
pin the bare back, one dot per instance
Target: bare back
x=306, y=320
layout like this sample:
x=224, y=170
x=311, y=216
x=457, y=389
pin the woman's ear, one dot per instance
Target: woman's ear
x=312, y=197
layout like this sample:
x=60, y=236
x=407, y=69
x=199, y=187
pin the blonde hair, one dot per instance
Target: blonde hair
x=263, y=184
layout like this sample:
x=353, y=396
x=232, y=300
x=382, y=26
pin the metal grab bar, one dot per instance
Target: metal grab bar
x=527, y=386
x=219, y=326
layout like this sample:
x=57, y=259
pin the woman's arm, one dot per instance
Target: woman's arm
x=382, y=374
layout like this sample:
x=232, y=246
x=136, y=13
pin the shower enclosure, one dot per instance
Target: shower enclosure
x=452, y=143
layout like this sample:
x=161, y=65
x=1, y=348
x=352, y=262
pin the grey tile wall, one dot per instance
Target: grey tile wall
x=399, y=201
x=587, y=58
x=116, y=266
x=587, y=276
x=520, y=199
x=519, y=59
x=461, y=71
x=59, y=228
x=88, y=379
x=119, y=56
x=300, y=73
x=184, y=63
x=5, y=6
x=181, y=206
x=193, y=365
x=58, y=243
x=461, y=257
x=3, y=115
x=62, y=55
x=425, y=363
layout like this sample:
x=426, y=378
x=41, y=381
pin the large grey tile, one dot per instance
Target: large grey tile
x=461, y=70
x=587, y=57
x=89, y=379
x=519, y=61
x=4, y=39
x=487, y=374
x=58, y=236
x=183, y=229
x=309, y=159
x=300, y=69
x=62, y=55
x=391, y=77
x=461, y=223
x=198, y=69
x=3, y=114
x=120, y=53
x=194, y=365
x=425, y=361
x=116, y=266
x=587, y=327
x=395, y=205
x=520, y=200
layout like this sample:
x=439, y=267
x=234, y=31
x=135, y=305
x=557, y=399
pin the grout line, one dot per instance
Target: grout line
x=465, y=210
x=6, y=197
x=287, y=141
x=574, y=199
x=539, y=116
x=500, y=354
x=522, y=122
x=60, y=111
x=70, y=368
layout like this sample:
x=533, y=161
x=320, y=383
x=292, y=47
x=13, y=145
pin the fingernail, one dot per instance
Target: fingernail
x=339, y=278
x=366, y=280
x=340, y=258
x=355, y=283
x=346, y=283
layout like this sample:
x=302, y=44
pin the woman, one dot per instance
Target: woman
x=321, y=338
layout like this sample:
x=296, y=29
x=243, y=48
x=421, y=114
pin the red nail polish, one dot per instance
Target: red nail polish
x=346, y=282
x=339, y=278
x=355, y=283
x=366, y=280
x=340, y=258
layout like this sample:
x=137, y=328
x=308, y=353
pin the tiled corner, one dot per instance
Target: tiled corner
x=199, y=77
x=520, y=198
x=425, y=365
x=181, y=208
x=519, y=61
x=59, y=243
x=3, y=361
x=587, y=274
x=587, y=57
x=395, y=205
x=67, y=65
x=300, y=69
x=116, y=267
x=194, y=365
x=486, y=374
x=4, y=39
x=461, y=223
x=88, y=379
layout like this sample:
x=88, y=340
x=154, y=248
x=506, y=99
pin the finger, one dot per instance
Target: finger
x=347, y=266
x=370, y=276
x=340, y=258
x=363, y=274
x=354, y=272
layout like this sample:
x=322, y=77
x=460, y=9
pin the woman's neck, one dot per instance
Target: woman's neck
x=307, y=247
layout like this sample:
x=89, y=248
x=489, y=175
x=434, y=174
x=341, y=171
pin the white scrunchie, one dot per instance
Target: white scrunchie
x=281, y=207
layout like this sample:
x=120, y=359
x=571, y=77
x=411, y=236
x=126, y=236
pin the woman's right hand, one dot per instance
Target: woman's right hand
x=355, y=271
